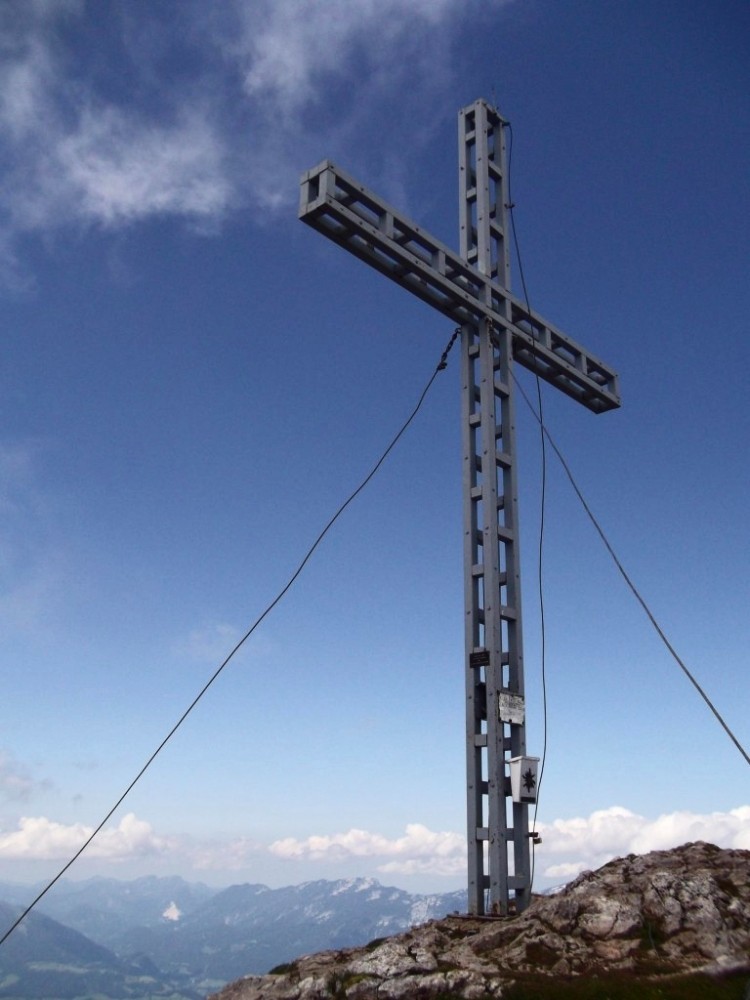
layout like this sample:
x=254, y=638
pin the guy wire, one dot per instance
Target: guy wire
x=442, y=364
x=543, y=500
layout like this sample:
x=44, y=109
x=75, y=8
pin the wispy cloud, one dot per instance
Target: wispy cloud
x=420, y=850
x=116, y=169
x=290, y=48
x=16, y=782
x=72, y=155
x=26, y=598
x=101, y=133
x=29, y=563
x=210, y=643
x=222, y=855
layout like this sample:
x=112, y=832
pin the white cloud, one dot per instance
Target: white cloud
x=70, y=154
x=226, y=129
x=26, y=77
x=568, y=846
x=590, y=842
x=118, y=169
x=39, y=838
x=330, y=68
x=726, y=829
x=454, y=864
x=289, y=46
x=419, y=850
x=113, y=168
x=566, y=871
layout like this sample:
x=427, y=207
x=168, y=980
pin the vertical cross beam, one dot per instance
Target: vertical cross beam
x=494, y=655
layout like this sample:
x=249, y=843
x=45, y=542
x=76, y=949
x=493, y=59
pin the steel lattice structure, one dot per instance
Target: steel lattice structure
x=497, y=329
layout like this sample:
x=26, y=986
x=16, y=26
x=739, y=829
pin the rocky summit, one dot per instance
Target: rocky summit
x=646, y=918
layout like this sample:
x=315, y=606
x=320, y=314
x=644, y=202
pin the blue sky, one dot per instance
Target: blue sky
x=192, y=382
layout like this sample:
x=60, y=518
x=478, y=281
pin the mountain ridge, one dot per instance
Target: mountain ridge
x=198, y=938
x=253, y=928
x=43, y=959
x=666, y=924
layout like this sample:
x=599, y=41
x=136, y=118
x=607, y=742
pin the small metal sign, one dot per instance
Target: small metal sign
x=511, y=707
x=480, y=659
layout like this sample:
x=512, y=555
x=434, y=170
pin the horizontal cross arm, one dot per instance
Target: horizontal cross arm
x=342, y=209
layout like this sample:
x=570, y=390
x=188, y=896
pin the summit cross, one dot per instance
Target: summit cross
x=497, y=329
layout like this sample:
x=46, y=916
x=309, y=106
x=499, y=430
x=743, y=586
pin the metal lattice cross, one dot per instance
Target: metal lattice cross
x=473, y=289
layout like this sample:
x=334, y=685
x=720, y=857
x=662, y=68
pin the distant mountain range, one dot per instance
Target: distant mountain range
x=44, y=959
x=670, y=924
x=165, y=937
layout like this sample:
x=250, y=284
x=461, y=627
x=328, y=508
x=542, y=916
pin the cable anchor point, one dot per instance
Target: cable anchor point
x=443, y=363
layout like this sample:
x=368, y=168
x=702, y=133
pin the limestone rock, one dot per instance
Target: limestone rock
x=663, y=913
